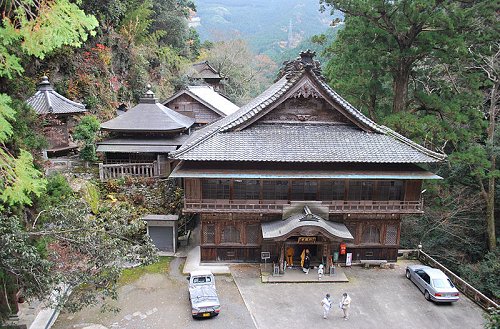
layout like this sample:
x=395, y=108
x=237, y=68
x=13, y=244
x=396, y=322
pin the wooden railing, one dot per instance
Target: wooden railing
x=468, y=290
x=272, y=206
x=113, y=171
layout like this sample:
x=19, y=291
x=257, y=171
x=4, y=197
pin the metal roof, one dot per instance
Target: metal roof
x=208, y=97
x=161, y=217
x=240, y=137
x=185, y=170
x=47, y=101
x=141, y=145
x=149, y=116
x=282, y=228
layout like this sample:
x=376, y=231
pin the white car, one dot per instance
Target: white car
x=202, y=294
x=435, y=285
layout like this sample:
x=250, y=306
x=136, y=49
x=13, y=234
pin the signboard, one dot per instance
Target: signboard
x=348, y=259
x=265, y=255
x=306, y=239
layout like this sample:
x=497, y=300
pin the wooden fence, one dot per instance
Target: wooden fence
x=468, y=290
x=113, y=171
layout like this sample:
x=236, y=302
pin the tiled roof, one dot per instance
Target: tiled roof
x=47, y=101
x=204, y=70
x=235, y=138
x=304, y=143
x=149, y=116
x=208, y=97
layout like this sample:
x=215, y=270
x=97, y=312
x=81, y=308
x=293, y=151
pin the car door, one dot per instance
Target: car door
x=419, y=279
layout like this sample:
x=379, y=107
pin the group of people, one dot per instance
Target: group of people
x=344, y=305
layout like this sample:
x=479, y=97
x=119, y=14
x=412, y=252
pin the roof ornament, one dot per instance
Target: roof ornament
x=44, y=84
x=304, y=62
x=309, y=215
x=149, y=96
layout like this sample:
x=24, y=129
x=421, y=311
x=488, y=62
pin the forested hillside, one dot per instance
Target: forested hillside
x=427, y=69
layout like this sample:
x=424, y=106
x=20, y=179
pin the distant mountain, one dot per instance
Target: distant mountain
x=270, y=26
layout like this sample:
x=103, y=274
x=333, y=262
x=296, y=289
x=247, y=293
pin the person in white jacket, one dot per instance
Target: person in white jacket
x=327, y=305
x=345, y=304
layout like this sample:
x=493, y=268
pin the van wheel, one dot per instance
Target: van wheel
x=408, y=275
x=427, y=295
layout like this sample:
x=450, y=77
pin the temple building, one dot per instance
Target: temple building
x=208, y=74
x=297, y=168
x=202, y=103
x=59, y=115
x=140, y=139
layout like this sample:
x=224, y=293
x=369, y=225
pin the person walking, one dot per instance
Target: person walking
x=307, y=262
x=327, y=305
x=345, y=304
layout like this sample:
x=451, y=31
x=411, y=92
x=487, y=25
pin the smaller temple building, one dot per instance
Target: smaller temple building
x=204, y=71
x=140, y=140
x=59, y=116
x=202, y=103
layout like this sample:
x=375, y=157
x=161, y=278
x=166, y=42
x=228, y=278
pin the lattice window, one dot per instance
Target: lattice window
x=209, y=233
x=371, y=234
x=304, y=190
x=215, y=189
x=391, y=234
x=246, y=189
x=231, y=234
x=332, y=190
x=275, y=190
x=253, y=233
x=360, y=190
x=389, y=190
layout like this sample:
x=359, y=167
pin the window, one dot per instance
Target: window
x=253, y=233
x=215, y=189
x=360, y=190
x=389, y=190
x=371, y=234
x=391, y=234
x=275, y=190
x=332, y=190
x=246, y=189
x=231, y=234
x=209, y=233
x=304, y=190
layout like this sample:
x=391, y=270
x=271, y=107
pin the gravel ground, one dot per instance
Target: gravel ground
x=157, y=301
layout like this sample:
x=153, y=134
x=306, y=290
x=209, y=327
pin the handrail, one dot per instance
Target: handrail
x=120, y=170
x=475, y=295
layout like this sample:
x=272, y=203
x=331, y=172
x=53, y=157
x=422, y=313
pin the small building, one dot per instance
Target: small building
x=202, y=103
x=298, y=168
x=59, y=115
x=204, y=71
x=162, y=229
x=140, y=140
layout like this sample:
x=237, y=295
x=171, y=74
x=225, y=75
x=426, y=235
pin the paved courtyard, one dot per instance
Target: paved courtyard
x=382, y=298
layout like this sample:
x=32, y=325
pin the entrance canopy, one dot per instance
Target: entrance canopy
x=306, y=224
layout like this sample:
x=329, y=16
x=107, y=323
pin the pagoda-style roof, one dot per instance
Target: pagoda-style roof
x=149, y=116
x=47, y=101
x=340, y=133
x=207, y=96
x=204, y=70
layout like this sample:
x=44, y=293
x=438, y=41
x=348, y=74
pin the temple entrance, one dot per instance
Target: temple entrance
x=296, y=246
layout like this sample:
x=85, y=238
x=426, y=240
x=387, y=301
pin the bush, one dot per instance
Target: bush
x=57, y=191
x=484, y=275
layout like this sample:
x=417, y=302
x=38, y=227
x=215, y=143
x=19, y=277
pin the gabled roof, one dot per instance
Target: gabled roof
x=237, y=137
x=204, y=70
x=47, y=101
x=149, y=116
x=207, y=96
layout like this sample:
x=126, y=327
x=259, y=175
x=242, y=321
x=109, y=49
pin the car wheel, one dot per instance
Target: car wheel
x=408, y=275
x=427, y=295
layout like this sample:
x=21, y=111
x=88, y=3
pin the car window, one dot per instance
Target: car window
x=426, y=278
x=442, y=283
x=202, y=279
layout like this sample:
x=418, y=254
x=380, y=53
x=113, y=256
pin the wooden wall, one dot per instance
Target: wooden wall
x=190, y=107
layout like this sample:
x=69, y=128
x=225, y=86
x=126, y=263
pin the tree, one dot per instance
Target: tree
x=33, y=29
x=86, y=131
x=411, y=28
x=75, y=247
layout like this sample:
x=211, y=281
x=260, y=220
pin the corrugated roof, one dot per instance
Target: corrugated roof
x=312, y=171
x=141, y=145
x=47, y=101
x=208, y=97
x=237, y=138
x=149, y=116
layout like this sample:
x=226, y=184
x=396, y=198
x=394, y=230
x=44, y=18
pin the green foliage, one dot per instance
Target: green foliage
x=492, y=319
x=86, y=131
x=7, y=114
x=57, y=191
x=484, y=274
x=92, y=196
x=130, y=275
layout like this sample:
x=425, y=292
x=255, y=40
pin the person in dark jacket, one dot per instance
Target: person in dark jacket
x=307, y=262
